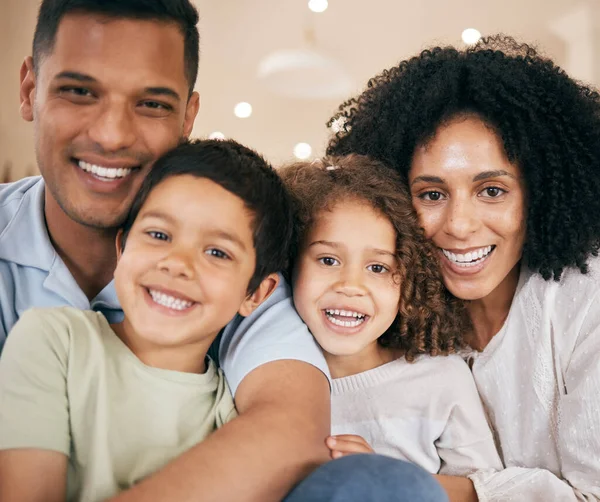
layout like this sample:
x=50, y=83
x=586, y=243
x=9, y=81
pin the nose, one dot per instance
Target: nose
x=461, y=219
x=113, y=129
x=178, y=263
x=350, y=282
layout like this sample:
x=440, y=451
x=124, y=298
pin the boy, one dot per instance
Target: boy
x=102, y=406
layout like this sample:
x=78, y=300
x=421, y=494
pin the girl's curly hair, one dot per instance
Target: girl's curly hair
x=429, y=320
x=549, y=125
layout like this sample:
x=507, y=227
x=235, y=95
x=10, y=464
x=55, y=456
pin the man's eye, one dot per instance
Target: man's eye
x=328, y=261
x=217, y=253
x=77, y=91
x=161, y=236
x=155, y=105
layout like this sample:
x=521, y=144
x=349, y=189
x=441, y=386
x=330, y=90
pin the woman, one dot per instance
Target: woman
x=501, y=152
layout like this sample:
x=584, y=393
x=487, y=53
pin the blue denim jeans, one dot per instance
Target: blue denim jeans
x=368, y=478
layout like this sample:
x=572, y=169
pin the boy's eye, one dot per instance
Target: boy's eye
x=217, y=253
x=161, y=236
x=377, y=268
x=329, y=261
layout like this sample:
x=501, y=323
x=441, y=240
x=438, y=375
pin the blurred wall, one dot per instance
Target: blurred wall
x=569, y=33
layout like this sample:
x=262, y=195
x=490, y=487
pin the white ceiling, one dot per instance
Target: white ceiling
x=365, y=36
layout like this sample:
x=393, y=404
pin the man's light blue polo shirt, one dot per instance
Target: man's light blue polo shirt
x=33, y=275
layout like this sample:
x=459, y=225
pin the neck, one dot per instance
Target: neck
x=372, y=356
x=488, y=314
x=187, y=358
x=89, y=253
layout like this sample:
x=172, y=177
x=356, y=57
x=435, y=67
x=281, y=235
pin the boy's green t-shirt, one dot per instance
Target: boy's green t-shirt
x=69, y=384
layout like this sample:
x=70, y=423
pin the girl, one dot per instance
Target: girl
x=367, y=285
x=501, y=151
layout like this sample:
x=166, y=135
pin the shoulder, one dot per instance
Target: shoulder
x=12, y=195
x=56, y=323
x=445, y=371
x=572, y=296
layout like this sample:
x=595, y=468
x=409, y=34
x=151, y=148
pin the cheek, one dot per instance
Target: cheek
x=160, y=137
x=430, y=220
x=305, y=288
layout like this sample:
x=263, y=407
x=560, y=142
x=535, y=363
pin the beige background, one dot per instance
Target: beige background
x=364, y=36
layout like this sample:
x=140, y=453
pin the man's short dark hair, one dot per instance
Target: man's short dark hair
x=180, y=12
x=244, y=173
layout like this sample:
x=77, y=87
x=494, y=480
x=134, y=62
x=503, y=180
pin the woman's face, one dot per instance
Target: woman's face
x=471, y=203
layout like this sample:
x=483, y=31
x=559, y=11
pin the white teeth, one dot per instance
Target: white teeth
x=360, y=318
x=108, y=173
x=169, y=301
x=468, y=259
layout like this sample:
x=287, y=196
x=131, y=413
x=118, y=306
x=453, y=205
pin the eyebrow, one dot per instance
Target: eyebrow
x=82, y=77
x=478, y=177
x=336, y=245
x=73, y=75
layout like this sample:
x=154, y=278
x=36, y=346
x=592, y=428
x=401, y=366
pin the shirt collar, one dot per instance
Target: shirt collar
x=25, y=240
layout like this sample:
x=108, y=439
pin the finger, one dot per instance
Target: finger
x=349, y=446
x=350, y=437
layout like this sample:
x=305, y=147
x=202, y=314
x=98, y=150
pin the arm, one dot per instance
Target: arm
x=284, y=416
x=276, y=441
x=34, y=438
x=32, y=475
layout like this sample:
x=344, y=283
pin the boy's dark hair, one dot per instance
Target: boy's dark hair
x=244, y=173
x=181, y=12
x=429, y=320
x=549, y=125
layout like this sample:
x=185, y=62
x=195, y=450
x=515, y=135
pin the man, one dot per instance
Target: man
x=109, y=89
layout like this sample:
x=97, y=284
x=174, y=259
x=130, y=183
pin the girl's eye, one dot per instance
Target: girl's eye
x=431, y=196
x=217, y=253
x=377, y=268
x=328, y=261
x=493, y=192
x=161, y=236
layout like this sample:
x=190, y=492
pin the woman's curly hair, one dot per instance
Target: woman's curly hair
x=429, y=320
x=549, y=125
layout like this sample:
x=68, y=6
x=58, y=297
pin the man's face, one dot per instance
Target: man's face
x=106, y=102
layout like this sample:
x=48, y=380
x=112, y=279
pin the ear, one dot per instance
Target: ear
x=27, y=89
x=119, y=244
x=191, y=110
x=264, y=290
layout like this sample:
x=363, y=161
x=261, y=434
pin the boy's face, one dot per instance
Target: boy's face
x=344, y=286
x=106, y=102
x=187, y=262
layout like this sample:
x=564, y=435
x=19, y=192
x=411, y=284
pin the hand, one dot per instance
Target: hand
x=347, y=444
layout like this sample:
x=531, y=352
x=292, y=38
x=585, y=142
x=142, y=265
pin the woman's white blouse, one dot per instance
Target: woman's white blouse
x=539, y=379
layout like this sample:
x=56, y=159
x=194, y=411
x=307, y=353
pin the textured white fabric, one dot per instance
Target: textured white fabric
x=426, y=412
x=539, y=379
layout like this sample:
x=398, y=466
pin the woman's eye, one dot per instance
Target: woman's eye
x=493, y=192
x=217, y=253
x=161, y=236
x=432, y=196
x=328, y=261
x=377, y=269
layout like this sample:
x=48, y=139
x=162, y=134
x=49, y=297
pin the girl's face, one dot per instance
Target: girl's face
x=344, y=282
x=471, y=203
